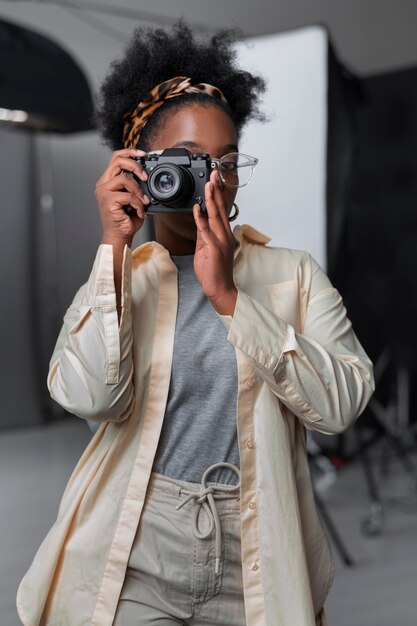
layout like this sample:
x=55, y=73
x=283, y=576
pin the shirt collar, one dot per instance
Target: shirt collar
x=243, y=234
x=249, y=234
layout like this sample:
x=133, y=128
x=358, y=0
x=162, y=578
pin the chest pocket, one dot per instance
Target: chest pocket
x=289, y=302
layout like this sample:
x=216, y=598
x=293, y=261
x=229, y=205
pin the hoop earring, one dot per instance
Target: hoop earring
x=232, y=218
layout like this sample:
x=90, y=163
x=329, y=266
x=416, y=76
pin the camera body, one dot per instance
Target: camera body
x=176, y=180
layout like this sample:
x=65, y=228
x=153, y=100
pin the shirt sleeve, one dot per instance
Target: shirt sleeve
x=91, y=369
x=323, y=375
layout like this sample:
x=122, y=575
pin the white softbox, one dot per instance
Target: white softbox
x=286, y=198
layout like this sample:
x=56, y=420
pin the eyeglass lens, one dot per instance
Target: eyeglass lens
x=236, y=169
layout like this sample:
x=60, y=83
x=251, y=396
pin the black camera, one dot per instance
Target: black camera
x=176, y=180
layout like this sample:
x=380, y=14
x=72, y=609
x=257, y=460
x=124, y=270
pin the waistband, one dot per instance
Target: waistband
x=204, y=496
x=173, y=486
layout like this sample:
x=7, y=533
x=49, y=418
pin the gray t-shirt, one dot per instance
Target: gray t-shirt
x=199, y=427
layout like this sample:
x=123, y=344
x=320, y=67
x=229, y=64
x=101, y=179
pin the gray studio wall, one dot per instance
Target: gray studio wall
x=17, y=359
x=48, y=239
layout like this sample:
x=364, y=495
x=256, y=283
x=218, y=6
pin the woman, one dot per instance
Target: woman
x=205, y=355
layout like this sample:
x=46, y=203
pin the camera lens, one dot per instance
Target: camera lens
x=164, y=182
x=171, y=185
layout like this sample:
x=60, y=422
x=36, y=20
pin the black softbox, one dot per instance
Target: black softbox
x=41, y=86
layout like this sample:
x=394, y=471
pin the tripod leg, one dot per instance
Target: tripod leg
x=334, y=534
x=372, y=525
x=403, y=457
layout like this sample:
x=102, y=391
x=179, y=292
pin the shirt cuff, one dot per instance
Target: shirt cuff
x=100, y=290
x=259, y=333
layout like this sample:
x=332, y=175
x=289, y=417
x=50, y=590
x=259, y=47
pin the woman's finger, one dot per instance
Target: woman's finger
x=123, y=199
x=128, y=155
x=124, y=182
x=125, y=164
x=218, y=198
x=214, y=212
x=126, y=152
x=202, y=224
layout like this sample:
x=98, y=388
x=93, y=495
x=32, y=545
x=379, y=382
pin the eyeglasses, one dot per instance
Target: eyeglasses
x=235, y=168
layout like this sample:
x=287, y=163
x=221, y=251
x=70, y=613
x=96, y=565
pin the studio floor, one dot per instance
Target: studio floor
x=380, y=589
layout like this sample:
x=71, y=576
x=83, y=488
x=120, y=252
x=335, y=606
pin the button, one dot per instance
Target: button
x=253, y=566
x=249, y=444
x=249, y=383
x=252, y=505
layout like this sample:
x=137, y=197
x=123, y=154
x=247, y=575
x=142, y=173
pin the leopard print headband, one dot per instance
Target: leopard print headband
x=135, y=120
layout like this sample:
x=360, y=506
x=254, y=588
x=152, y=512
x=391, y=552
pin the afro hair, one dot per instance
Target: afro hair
x=154, y=56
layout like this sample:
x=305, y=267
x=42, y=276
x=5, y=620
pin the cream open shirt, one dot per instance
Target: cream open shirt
x=299, y=366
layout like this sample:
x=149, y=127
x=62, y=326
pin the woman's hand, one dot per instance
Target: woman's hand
x=214, y=253
x=117, y=189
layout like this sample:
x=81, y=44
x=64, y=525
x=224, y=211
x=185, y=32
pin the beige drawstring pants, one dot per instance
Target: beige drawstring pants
x=185, y=565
